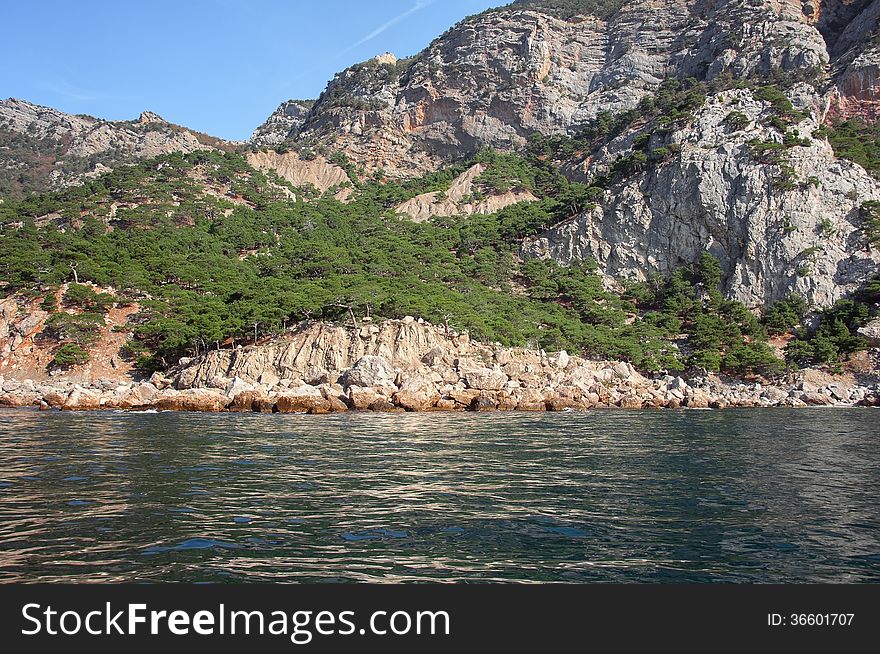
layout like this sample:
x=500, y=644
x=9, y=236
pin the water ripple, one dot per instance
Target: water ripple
x=731, y=496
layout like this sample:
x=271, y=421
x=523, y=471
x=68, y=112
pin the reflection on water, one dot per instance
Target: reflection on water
x=745, y=495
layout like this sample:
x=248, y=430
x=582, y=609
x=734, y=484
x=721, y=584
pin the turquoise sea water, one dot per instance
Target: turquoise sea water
x=770, y=495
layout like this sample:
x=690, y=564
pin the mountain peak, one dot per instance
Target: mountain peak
x=385, y=58
x=148, y=117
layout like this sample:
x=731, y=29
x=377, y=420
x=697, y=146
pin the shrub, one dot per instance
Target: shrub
x=785, y=315
x=856, y=141
x=86, y=298
x=870, y=216
x=737, y=120
x=70, y=354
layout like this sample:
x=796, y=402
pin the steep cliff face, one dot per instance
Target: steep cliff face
x=778, y=227
x=497, y=77
x=42, y=148
x=317, y=172
x=286, y=119
x=330, y=348
x=856, y=92
x=459, y=199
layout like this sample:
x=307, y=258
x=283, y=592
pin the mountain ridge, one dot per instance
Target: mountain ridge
x=668, y=182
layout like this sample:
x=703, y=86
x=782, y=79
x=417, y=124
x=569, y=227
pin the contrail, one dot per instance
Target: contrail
x=419, y=5
x=391, y=22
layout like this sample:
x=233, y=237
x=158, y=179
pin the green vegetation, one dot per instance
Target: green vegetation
x=856, y=141
x=672, y=105
x=836, y=334
x=870, y=216
x=504, y=171
x=825, y=227
x=80, y=328
x=784, y=112
x=567, y=9
x=87, y=299
x=737, y=120
x=722, y=335
x=205, y=271
x=70, y=354
x=785, y=315
x=214, y=251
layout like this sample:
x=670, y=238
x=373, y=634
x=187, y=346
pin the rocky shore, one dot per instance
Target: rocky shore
x=409, y=365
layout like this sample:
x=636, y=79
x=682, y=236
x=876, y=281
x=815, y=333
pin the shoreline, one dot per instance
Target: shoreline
x=629, y=391
x=410, y=365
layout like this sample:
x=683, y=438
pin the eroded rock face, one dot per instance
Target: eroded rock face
x=455, y=374
x=856, y=92
x=485, y=379
x=302, y=399
x=330, y=347
x=317, y=172
x=716, y=195
x=71, y=141
x=192, y=399
x=458, y=199
x=495, y=78
x=284, y=121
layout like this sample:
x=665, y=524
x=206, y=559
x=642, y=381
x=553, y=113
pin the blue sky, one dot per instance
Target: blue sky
x=217, y=66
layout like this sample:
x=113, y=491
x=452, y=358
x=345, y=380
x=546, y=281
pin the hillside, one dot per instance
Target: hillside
x=42, y=148
x=676, y=185
x=552, y=66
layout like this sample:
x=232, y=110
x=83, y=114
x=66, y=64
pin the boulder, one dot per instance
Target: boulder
x=485, y=379
x=54, y=399
x=142, y=395
x=160, y=381
x=483, y=403
x=382, y=404
x=630, y=401
x=871, y=331
x=463, y=397
x=531, y=400
x=508, y=400
x=814, y=398
x=417, y=391
x=236, y=386
x=840, y=392
x=697, y=400
x=369, y=371
x=555, y=402
x=562, y=360
x=302, y=399
x=361, y=398
x=192, y=399
x=82, y=399
x=415, y=401
x=247, y=401
x=337, y=405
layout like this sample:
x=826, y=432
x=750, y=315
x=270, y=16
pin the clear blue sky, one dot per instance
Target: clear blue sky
x=217, y=66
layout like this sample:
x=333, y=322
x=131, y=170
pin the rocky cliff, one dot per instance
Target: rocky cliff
x=551, y=67
x=497, y=77
x=460, y=199
x=414, y=366
x=286, y=119
x=43, y=148
x=792, y=225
